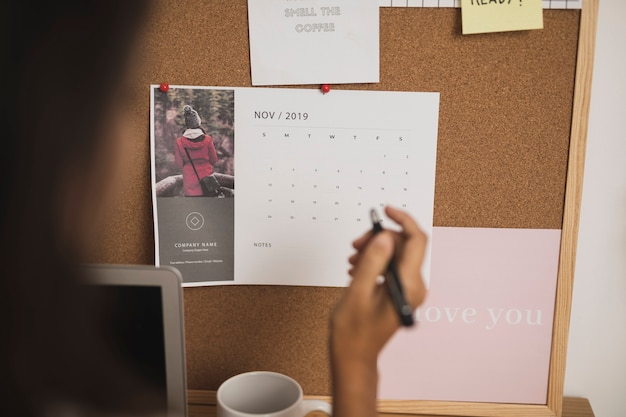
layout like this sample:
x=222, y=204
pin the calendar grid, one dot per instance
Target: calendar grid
x=322, y=175
x=546, y=4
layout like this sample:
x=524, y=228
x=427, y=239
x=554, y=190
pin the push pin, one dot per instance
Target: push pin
x=325, y=88
x=164, y=87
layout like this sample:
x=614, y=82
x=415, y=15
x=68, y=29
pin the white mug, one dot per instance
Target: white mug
x=267, y=394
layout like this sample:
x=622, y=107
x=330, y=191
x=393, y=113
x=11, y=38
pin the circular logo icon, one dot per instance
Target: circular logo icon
x=194, y=221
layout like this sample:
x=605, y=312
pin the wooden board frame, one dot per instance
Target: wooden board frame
x=129, y=238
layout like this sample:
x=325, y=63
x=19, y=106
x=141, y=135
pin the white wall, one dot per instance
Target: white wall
x=596, y=358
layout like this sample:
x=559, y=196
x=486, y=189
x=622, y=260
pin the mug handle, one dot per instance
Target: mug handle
x=309, y=405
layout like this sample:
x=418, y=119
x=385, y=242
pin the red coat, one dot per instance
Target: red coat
x=204, y=156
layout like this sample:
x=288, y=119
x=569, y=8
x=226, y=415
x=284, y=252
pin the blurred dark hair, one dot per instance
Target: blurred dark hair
x=61, y=62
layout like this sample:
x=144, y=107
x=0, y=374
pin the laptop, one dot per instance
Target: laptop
x=148, y=311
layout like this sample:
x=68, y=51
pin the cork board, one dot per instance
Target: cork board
x=505, y=160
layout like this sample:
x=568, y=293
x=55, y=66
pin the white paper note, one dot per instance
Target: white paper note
x=313, y=42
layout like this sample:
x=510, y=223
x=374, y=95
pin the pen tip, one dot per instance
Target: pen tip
x=374, y=216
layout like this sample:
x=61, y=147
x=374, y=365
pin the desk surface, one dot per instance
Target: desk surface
x=202, y=404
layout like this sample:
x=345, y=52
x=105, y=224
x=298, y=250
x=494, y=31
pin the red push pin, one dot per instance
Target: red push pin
x=164, y=87
x=325, y=88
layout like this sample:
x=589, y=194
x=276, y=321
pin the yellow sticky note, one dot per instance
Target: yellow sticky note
x=481, y=16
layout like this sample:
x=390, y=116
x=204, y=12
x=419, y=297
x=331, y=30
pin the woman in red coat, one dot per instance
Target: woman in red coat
x=197, y=145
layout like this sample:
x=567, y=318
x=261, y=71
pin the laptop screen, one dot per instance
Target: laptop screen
x=143, y=315
x=136, y=326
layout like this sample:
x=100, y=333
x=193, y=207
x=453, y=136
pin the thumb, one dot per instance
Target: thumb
x=372, y=262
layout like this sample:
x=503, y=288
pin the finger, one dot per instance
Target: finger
x=360, y=242
x=410, y=228
x=372, y=262
x=351, y=272
x=411, y=256
x=415, y=238
x=353, y=259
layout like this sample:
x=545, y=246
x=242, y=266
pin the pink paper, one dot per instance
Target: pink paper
x=484, y=332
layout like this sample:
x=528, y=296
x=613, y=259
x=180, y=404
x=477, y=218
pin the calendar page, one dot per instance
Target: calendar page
x=298, y=172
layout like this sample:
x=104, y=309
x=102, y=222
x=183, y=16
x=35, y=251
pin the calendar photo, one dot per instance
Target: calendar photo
x=309, y=167
x=194, y=180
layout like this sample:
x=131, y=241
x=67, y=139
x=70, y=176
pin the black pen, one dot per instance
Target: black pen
x=392, y=281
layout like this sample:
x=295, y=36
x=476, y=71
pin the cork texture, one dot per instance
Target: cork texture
x=504, y=128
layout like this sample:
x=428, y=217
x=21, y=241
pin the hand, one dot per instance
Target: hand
x=364, y=319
